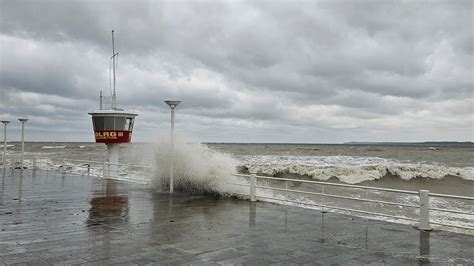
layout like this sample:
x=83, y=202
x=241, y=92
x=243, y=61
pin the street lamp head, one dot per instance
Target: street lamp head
x=5, y=122
x=23, y=120
x=173, y=104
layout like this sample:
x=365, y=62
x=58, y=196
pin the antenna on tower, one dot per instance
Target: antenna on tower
x=114, y=54
x=112, y=125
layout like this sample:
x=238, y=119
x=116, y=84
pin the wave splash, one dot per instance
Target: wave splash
x=197, y=169
x=348, y=169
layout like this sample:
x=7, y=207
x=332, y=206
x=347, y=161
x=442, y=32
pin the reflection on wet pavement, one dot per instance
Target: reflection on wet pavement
x=108, y=207
x=48, y=217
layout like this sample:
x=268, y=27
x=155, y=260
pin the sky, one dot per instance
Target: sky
x=246, y=71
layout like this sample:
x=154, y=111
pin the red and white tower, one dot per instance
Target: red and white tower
x=112, y=125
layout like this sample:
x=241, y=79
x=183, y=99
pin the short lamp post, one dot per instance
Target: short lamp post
x=5, y=123
x=23, y=121
x=172, y=105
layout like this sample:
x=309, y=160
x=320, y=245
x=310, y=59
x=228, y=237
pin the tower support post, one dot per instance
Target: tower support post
x=112, y=159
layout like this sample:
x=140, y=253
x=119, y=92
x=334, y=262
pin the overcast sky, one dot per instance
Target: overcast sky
x=246, y=71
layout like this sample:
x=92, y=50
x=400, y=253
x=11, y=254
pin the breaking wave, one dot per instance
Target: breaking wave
x=197, y=169
x=348, y=169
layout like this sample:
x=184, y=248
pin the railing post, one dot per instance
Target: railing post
x=34, y=163
x=425, y=210
x=64, y=166
x=104, y=170
x=253, y=189
x=89, y=167
x=367, y=203
x=322, y=199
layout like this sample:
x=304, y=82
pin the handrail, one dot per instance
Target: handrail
x=118, y=164
x=103, y=167
x=107, y=163
x=424, y=205
x=356, y=186
x=451, y=196
x=453, y=225
x=451, y=211
x=99, y=162
x=339, y=197
x=343, y=209
x=331, y=184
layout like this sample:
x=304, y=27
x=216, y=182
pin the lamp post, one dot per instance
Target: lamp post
x=5, y=123
x=172, y=105
x=23, y=121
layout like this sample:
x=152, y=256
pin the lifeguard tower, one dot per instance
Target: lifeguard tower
x=112, y=125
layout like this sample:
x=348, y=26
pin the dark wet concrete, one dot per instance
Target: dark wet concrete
x=53, y=218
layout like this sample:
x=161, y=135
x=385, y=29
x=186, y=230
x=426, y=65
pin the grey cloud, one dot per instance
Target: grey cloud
x=264, y=67
x=51, y=20
x=50, y=68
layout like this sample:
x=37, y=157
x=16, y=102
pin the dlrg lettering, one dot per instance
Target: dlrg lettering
x=108, y=134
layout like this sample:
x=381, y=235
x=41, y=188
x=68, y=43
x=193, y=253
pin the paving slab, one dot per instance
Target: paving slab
x=53, y=218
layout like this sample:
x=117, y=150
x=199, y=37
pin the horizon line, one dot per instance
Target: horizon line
x=295, y=143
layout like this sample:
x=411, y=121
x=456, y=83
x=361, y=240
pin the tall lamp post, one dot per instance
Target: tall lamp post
x=5, y=123
x=23, y=121
x=172, y=105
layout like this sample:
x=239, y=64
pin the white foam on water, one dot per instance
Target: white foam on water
x=69, y=167
x=8, y=145
x=349, y=169
x=54, y=147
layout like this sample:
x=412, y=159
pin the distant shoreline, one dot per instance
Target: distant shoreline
x=286, y=143
x=424, y=142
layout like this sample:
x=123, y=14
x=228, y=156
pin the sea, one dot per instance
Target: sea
x=440, y=167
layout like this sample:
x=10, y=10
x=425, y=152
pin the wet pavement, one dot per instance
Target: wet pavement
x=53, y=218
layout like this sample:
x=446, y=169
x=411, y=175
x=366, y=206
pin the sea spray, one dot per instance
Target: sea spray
x=197, y=168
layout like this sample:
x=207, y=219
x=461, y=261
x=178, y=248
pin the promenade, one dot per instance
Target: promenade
x=53, y=218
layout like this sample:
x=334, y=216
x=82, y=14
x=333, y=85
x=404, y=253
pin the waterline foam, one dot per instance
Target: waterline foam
x=348, y=169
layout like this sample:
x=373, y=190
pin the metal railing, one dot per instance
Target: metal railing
x=128, y=172
x=424, y=207
x=131, y=172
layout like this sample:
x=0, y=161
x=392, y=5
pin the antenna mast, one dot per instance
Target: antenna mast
x=114, y=54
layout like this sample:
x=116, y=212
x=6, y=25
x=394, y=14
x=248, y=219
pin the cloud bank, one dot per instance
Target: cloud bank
x=246, y=71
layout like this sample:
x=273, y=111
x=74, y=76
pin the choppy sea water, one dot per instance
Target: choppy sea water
x=446, y=168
